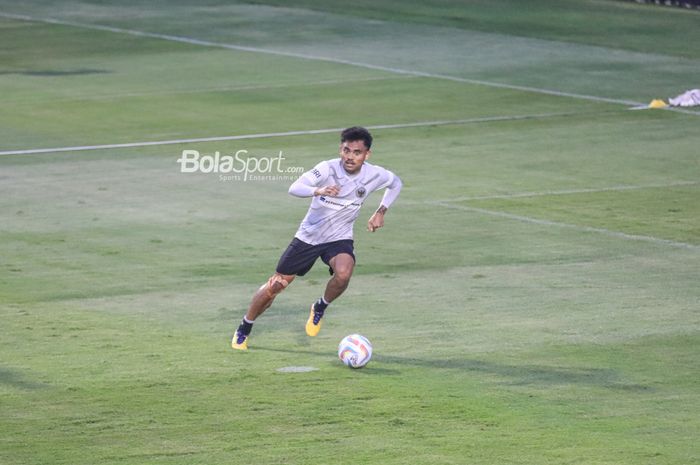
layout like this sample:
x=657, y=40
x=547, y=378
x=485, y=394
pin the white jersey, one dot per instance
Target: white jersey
x=331, y=218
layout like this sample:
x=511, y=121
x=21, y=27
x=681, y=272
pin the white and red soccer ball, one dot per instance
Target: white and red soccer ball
x=355, y=351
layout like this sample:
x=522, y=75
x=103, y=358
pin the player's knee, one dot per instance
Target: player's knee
x=342, y=274
x=276, y=284
x=342, y=266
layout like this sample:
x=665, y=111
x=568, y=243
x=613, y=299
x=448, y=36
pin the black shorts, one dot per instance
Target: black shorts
x=300, y=256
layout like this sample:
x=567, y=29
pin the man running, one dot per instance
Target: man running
x=338, y=189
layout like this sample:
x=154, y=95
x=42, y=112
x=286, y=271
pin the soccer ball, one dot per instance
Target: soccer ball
x=355, y=351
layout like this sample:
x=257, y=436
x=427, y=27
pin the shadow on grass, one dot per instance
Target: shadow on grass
x=512, y=375
x=374, y=370
x=14, y=379
x=524, y=375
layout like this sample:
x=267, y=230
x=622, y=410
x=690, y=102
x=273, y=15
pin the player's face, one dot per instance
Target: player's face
x=353, y=154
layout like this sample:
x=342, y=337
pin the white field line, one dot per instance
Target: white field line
x=281, y=134
x=519, y=195
x=686, y=111
x=540, y=222
x=206, y=43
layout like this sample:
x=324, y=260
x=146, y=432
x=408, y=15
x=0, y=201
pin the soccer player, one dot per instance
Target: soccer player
x=338, y=189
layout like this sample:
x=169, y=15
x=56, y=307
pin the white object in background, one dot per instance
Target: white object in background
x=686, y=99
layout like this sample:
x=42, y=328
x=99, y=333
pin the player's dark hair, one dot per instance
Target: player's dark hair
x=356, y=133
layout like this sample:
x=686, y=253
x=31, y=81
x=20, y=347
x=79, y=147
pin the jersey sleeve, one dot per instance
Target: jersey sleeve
x=307, y=183
x=318, y=174
x=389, y=179
x=393, y=188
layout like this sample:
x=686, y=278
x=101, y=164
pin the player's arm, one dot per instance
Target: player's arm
x=392, y=191
x=311, y=183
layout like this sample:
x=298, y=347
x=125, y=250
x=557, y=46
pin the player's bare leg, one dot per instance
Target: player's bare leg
x=342, y=265
x=261, y=301
x=266, y=294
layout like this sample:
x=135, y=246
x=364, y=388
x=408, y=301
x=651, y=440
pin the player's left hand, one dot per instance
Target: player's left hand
x=375, y=222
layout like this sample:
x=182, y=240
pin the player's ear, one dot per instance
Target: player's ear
x=369, y=153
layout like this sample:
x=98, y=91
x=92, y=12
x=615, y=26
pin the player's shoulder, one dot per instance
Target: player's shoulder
x=322, y=169
x=372, y=170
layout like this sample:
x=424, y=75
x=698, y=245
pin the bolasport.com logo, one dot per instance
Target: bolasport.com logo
x=239, y=166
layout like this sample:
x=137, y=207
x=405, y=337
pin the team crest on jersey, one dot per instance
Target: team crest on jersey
x=361, y=191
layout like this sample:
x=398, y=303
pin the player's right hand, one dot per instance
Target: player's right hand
x=330, y=191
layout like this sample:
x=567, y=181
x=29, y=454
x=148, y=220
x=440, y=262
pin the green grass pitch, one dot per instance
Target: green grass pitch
x=533, y=298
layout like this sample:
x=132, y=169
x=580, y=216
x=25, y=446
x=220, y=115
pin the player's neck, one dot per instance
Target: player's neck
x=352, y=175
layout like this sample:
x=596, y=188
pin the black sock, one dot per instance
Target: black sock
x=245, y=327
x=320, y=305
